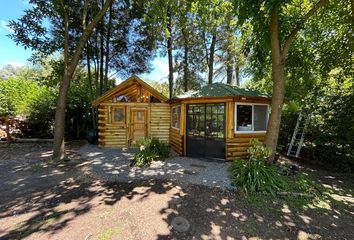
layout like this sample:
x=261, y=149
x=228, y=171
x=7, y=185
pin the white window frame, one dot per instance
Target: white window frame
x=250, y=104
x=179, y=117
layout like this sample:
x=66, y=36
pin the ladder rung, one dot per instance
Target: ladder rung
x=298, y=135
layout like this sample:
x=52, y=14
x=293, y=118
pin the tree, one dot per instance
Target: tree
x=119, y=46
x=279, y=54
x=29, y=32
x=189, y=62
x=284, y=21
x=159, y=17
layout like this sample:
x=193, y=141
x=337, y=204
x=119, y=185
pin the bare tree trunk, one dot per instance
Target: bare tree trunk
x=185, y=61
x=93, y=113
x=70, y=64
x=102, y=53
x=229, y=69
x=279, y=56
x=271, y=138
x=169, y=52
x=7, y=130
x=237, y=69
x=108, y=36
x=59, y=124
x=186, y=69
x=211, y=59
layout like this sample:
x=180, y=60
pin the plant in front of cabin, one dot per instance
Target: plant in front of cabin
x=254, y=174
x=151, y=149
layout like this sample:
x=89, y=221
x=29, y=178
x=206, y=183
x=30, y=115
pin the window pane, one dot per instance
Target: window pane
x=260, y=117
x=244, y=118
x=118, y=114
x=139, y=116
x=175, y=116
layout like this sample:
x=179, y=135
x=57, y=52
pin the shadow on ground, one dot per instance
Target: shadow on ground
x=62, y=202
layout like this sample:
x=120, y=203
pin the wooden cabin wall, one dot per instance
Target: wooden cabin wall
x=160, y=119
x=177, y=136
x=176, y=141
x=110, y=134
x=237, y=147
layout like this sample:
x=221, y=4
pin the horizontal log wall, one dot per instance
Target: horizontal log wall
x=237, y=147
x=176, y=141
x=160, y=118
x=110, y=134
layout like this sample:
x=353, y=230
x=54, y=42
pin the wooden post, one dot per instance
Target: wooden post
x=138, y=93
x=8, y=137
x=229, y=120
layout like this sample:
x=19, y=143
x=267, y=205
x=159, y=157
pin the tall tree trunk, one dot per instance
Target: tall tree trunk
x=169, y=52
x=93, y=113
x=186, y=69
x=229, y=69
x=70, y=64
x=211, y=59
x=279, y=56
x=102, y=54
x=271, y=138
x=229, y=73
x=59, y=124
x=237, y=70
x=108, y=38
x=185, y=61
x=7, y=129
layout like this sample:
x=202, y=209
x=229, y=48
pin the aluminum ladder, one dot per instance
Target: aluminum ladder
x=299, y=134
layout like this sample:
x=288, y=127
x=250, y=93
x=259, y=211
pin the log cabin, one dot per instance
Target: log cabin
x=216, y=121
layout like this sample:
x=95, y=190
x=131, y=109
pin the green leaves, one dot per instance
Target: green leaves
x=16, y=95
x=151, y=149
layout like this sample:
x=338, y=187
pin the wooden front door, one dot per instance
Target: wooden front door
x=138, y=125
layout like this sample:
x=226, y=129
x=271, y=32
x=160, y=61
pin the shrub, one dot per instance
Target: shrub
x=151, y=149
x=254, y=175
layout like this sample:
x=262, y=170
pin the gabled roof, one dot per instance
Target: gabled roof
x=128, y=82
x=222, y=90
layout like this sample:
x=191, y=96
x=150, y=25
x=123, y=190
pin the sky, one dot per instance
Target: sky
x=15, y=55
x=9, y=52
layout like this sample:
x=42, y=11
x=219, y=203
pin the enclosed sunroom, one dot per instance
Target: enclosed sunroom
x=218, y=121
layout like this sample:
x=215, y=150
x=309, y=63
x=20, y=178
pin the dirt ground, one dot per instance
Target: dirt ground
x=40, y=199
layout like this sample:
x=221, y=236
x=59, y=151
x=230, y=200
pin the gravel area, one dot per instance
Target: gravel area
x=114, y=165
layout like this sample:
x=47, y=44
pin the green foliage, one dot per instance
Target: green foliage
x=16, y=95
x=42, y=111
x=151, y=149
x=32, y=92
x=254, y=175
x=328, y=140
x=258, y=151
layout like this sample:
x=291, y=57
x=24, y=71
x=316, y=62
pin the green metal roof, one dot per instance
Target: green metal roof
x=222, y=90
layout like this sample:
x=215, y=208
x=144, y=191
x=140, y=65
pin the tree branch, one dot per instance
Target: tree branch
x=86, y=34
x=84, y=15
x=291, y=37
x=66, y=33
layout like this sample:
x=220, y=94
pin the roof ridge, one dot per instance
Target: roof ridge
x=225, y=86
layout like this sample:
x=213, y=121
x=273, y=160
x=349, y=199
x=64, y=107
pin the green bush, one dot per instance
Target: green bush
x=151, y=149
x=254, y=175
